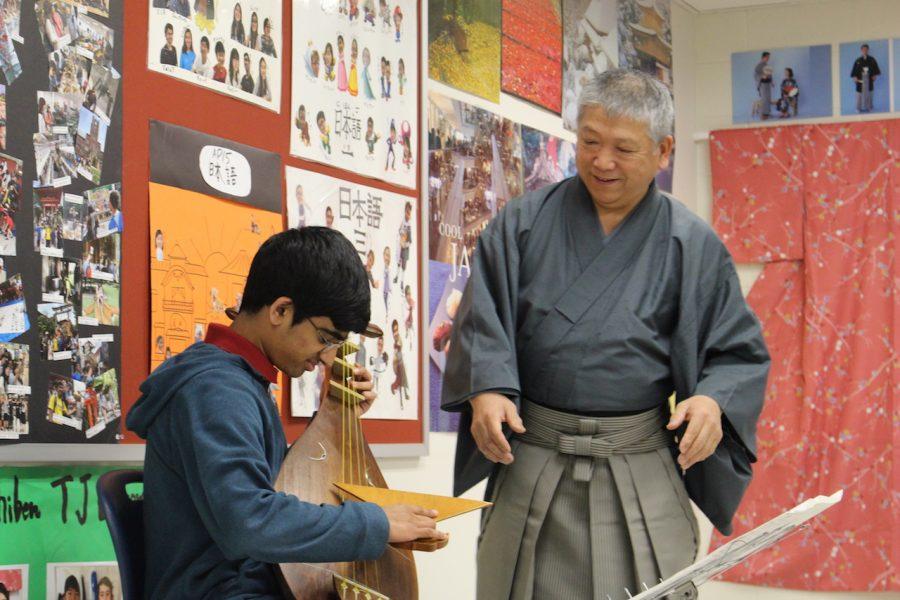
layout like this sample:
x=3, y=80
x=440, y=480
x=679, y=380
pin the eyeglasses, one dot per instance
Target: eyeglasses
x=328, y=338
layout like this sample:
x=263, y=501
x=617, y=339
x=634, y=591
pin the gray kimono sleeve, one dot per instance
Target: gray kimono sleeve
x=482, y=355
x=732, y=359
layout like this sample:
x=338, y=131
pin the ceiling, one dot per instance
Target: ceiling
x=709, y=5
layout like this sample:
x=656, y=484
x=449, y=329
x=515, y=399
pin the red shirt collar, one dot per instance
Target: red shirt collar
x=226, y=339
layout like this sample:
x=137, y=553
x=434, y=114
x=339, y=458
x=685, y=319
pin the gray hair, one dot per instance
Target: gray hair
x=633, y=95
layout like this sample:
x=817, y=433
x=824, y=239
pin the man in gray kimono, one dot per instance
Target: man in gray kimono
x=762, y=75
x=590, y=302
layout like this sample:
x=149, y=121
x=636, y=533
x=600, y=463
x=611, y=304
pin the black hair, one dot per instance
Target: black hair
x=204, y=40
x=866, y=46
x=114, y=199
x=169, y=28
x=72, y=584
x=765, y=54
x=318, y=269
x=220, y=47
x=790, y=72
x=3, y=591
x=184, y=41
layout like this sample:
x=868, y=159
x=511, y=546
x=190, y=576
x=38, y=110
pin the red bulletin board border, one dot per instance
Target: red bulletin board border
x=148, y=95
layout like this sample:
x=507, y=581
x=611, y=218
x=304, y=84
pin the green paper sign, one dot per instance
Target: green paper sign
x=48, y=516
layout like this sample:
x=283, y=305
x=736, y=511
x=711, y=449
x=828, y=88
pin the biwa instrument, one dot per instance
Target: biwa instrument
x=331, y=463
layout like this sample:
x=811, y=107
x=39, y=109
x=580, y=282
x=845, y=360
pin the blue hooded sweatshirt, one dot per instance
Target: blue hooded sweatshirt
x=213, y=523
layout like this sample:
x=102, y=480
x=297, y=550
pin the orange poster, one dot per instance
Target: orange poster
x=200, y=252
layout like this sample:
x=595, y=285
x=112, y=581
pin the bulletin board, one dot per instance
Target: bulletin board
x=147, y=96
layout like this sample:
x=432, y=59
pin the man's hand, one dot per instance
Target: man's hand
x=410, y=523
x=489, y=412
x=362, y=383
x=704, y=430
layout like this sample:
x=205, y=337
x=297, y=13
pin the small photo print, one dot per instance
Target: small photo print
x=68, y=72
x=14, y=378
x=74, y=217
x=59, y=280
x=89, y=145
x=15, y=579
x=55, y=162
x=103, y=87
x=48, y=222
x=92, y=580
x=13, y=315
x=101, y=400
x=13, y=421
x=104, y=214
x=93, y=359
x=65, y=402
x=10, y=188
x=58, y=332
x=99, y=303
x=9, y=59
x=57, y=115
x=11, y=16
x=94, y=40
x=57, y=23
x=100, y=258
x=98, y=7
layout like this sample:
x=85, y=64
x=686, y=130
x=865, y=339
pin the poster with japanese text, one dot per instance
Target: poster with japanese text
x=384, y=228
x=234, y=48
x=354, y=89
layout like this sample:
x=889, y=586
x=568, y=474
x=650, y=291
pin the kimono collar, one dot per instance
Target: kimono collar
x=585, y=233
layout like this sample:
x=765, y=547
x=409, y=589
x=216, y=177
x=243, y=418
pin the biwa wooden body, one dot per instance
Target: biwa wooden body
x=331, y=450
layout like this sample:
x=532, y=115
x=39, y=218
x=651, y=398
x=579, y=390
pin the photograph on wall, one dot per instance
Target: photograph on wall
x=104, y=214
x=97, y=7
x=74, y=217
x=10, y=189
x=68, y=71
x=48, y=222
x=464, y=46
x=474, y=168
x=354, y=96
x=57, y=115
x=83, y=580
x=865, y=84
x=89, y=145
x=58, y=331
x=99, y=303
x=101, y=400
x=15, y=579
x=13, y=417
x=11, y=17
x=3, y=117
x=383, y=227
x=645, y=37
x=532, y=51
x=9, y=59
x=546, y=159
x=57, y=23
x=103, y=87
x=895, y=50
x=65, y=402
x=59, y=280
x=55, y=162
x=781, y=84
x=94, y=40
x=14, y=368
x=13, y=314
x=230, y=47
x=590, y=47
x=101, y=258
